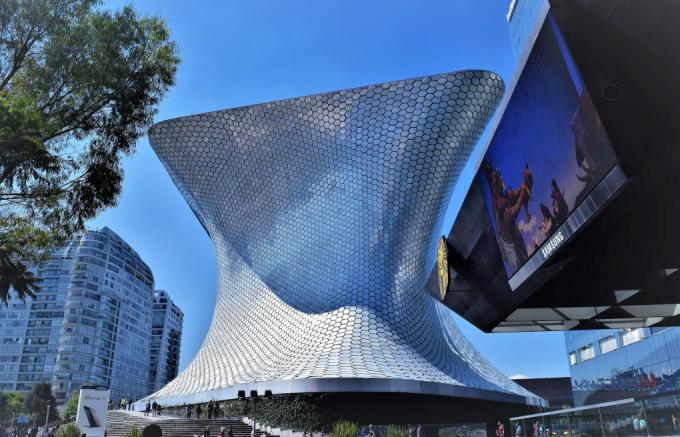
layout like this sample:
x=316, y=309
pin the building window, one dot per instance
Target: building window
x=608, y=344
x=632, y=335
x=572, y=358
x=587, y=352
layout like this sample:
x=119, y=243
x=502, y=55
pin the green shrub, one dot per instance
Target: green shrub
x=345, y=428
x=133, y=432
x=68, y=430
x=396, y=431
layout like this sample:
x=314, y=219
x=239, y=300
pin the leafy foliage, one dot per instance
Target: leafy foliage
x=397, y=431
x=68, y=430
x=35, y=402
x=344, y=428
x=71, y=408
x=11, y=405
x=299, y=412
x=133, y=432
x=78, y=86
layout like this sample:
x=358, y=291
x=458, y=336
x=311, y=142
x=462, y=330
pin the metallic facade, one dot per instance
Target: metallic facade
x=325, y=211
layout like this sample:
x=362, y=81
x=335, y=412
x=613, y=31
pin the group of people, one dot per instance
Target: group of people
x=31, y=431
x=154, y=409
x=224, y=432
x=123, y=404
x=212, y=409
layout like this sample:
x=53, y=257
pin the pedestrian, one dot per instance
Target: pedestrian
x=500, y=430
x=159, y=409
x=154, y=409
x=210, y=409
x=110, y=406
x=223, y=432
x=230, y=433
x=206, y=432
x=188, y=411
x=199, y=411
x=147, y=409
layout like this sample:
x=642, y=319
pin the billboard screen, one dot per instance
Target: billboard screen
x=547, y=155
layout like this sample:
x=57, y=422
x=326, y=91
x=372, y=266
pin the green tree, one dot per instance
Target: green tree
x=71, y=408
x=35, y=402
x=397, y=431
x=79, y=85
x=345, y=428
x=133, y=432
x=11, y=405
x=69, y=430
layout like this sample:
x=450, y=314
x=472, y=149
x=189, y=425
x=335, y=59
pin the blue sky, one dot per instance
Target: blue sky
x=243, y=52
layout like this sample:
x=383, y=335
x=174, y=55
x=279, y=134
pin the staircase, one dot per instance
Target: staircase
x=119, y=422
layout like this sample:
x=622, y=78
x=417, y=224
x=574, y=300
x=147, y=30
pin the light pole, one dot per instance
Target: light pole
x=47, y=415
x=254, y=397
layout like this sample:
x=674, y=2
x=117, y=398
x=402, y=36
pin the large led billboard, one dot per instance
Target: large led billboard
x=548, y=154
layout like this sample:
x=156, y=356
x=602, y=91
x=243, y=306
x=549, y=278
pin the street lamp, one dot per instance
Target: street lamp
x=47, y=415
x=255, y=397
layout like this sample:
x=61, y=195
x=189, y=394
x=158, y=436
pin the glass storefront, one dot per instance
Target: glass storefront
x=653, y=416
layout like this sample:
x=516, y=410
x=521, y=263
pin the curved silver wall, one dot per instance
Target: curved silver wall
x=324, y=211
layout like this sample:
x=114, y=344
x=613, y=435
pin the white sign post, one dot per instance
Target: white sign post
x=92, y=406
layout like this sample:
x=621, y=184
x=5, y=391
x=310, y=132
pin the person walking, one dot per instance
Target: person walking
x=159, y=409
x=154, y=409
x=206, y=432
x=188, y=412
x=210, y=409
x=147, y=409
x=223, y=432
x=500, y=430
x=230, y=433
x=199, y=411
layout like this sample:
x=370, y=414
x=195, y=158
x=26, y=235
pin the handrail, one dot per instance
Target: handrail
x=66, y=419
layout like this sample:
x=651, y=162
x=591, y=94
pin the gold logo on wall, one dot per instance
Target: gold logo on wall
x=443, y=267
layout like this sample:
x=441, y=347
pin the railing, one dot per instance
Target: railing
x=60, y=422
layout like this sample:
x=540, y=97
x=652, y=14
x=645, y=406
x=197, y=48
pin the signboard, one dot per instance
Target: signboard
x=92, y=407
x=23, y=419
x=443, y=267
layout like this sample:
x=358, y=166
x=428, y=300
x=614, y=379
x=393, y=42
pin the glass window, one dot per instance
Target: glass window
x=587, y=352
x=572, y=358
x=629, y=335
x=608, y=344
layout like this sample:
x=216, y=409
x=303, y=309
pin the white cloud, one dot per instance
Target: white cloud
x=519, y=376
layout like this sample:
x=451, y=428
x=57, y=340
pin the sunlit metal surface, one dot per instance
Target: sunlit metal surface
x=324, y=211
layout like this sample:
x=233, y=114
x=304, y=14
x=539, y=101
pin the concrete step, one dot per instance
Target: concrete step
x=119, y=422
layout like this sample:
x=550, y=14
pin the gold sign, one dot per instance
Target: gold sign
x=443, y=267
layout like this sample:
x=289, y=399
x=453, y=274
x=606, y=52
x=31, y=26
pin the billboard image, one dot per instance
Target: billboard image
x=548, y=153
x=92, y=408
